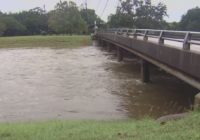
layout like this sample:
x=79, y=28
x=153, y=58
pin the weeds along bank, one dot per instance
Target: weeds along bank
x=45, y=41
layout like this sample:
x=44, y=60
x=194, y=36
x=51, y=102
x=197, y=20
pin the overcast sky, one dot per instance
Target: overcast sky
x=176, y=8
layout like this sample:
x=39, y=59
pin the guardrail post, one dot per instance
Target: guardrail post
x=186, y=44
x=115, y=34
x=145, y=71
x=145, y=36
x=119, y=54
x=127, y=34
x=161, y=40
x=135, y=34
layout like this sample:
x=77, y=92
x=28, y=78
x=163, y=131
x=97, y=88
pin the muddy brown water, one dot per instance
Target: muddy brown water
x=83, y=83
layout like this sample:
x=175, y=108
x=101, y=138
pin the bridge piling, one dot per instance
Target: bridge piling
x=119, y=54
x=145, y=74
x=109, y=47
x=100, y=43
x=197, y=101
x=103, y=43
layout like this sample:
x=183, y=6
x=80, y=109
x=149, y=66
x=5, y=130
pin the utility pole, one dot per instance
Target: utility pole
x=86, y=12
x=86, y=9
x=95, y=27
x=86, y=4
x=44, y=8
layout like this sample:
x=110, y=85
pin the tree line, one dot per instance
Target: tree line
x=66, y=18
x=143, y=14
x=189, y=21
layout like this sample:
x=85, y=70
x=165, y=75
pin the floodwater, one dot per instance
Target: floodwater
x=83, y=83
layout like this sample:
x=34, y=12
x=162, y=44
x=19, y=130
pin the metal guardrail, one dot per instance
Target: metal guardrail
x=186, y=37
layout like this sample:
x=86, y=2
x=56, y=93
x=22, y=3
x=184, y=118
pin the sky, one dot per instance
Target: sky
x=176, y=8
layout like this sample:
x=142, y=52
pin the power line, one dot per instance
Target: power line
x=104, y=8
x=98, y=5
x=83, y=3
x=86, y=4
x=86, y=8
x=118, y=3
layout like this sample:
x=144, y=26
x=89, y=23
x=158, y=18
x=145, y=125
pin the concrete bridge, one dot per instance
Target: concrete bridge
x=176, y=52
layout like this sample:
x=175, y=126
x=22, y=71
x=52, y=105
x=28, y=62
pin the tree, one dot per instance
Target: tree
x=2, y=24
x=174, y=26
x=191, y=20
x=139, y=14
x=90, y=17
x=2, y=28
x=121, y=20
x=66, y=19
x=12, y=26
x=35, y=20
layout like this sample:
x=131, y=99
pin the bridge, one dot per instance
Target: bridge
x=176, y=52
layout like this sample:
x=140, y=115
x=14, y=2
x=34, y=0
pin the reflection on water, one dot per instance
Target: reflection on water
x=83, y=83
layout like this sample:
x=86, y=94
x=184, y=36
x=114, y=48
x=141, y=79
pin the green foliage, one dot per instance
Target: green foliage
x=11, y=26
x=191, y=20
x=173, y=26
x=139, y=14
x=2, y=28
x=35, y=21
x=66, y=18
x=90, y=17
x=121, y=20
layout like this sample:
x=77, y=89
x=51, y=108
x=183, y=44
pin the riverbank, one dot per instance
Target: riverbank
x=185, y=129
x=45, y=41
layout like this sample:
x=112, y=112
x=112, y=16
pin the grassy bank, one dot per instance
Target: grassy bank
x=44, y=41
x=186, y=129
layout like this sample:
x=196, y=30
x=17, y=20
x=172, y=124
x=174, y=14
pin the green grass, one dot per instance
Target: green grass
x=186, y=129
x=44, y=41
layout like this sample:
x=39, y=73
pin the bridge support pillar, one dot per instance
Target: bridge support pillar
x=197, y=101
x=100, y=43
x=119, y=54
x=145, y=71
x=103, y=43
x=109, y=48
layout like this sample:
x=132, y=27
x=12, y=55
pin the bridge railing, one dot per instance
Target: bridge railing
x=186, y=37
